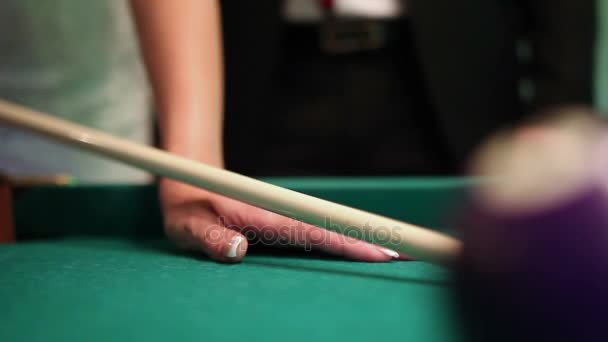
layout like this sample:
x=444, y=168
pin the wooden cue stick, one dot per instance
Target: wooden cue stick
x=415, y=241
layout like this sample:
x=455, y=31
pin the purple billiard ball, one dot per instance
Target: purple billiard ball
x=535, y=260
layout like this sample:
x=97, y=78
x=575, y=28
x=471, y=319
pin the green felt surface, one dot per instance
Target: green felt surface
x=84, y=283
x=112, y=289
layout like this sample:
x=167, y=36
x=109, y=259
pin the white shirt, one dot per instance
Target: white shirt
x=311, y=11
x=78, y=60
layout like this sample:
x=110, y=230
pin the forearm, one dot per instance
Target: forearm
x=181, y=44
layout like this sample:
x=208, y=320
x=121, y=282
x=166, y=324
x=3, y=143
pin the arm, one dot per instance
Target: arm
x=181, y=43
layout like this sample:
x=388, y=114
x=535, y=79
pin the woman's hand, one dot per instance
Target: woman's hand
x=198, y=220
x=181, y=44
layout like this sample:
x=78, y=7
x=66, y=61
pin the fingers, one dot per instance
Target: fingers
x=210, y=236
x=219, y=231
x=309, y=236
x=348, y=247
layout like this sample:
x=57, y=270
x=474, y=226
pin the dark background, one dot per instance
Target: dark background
x=292, y=109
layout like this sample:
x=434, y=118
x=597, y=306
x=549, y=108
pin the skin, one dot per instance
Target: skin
x=182, y=48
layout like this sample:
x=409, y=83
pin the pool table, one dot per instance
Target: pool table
x=91, y=264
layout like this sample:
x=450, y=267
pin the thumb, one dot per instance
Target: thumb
x=221, y=244
x=211, y=238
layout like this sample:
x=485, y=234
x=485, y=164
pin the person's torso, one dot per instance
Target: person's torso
x=78, y=60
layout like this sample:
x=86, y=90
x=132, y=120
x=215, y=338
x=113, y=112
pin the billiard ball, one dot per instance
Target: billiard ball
x=535, y=260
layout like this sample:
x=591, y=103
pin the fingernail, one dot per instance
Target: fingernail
x=390, y=253
x=235, y=242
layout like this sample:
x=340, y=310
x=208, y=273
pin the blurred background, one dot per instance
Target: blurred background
x=601, y=95
x=313, y=87
x=398, y=87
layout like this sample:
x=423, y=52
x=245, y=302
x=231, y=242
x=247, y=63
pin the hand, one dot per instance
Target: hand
x=198, y=220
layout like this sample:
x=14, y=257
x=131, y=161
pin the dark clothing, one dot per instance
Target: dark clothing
x=420, y=105
x=468, y=51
